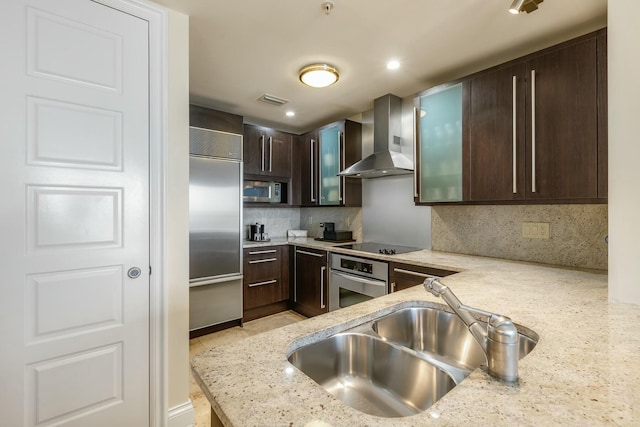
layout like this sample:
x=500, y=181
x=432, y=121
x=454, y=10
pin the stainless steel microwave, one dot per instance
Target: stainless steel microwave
x=262, y=191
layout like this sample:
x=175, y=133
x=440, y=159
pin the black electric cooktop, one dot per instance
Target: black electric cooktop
x=380, y=248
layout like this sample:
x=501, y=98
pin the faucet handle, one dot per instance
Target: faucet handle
x=502, y=348
x=501, y=329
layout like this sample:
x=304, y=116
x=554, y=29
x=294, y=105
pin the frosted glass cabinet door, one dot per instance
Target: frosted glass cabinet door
x=441, y=145
x=330, y=165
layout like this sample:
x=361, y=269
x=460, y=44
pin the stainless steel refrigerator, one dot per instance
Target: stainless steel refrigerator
x=215, y=221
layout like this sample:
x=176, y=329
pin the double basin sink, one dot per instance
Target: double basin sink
x=397, y=365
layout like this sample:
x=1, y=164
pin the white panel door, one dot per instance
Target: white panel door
x=74, y=168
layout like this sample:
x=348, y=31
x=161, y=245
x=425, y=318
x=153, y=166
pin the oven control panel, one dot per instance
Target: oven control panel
x=359, y=266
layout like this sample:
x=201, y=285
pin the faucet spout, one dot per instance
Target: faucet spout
x=499, y=340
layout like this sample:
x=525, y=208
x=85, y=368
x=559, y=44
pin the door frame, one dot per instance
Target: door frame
x=157, y=17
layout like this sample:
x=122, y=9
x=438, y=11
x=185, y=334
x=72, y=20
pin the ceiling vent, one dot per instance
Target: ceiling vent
x=273, y=100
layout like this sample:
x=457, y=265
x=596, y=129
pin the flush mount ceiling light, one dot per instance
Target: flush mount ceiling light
x=393, y=65
x=524, y=6
x=319, y=75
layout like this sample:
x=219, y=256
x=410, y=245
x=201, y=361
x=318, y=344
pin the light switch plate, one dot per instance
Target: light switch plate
x=535, y=230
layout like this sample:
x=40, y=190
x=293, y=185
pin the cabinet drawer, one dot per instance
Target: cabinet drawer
x=403, y=276
x=261, y=264
x=264, y=282
x=262, y=292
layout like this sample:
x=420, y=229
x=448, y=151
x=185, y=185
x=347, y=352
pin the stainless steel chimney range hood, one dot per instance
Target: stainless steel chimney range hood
x=386, y=160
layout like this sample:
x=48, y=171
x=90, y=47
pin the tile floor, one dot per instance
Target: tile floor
x=197, y=345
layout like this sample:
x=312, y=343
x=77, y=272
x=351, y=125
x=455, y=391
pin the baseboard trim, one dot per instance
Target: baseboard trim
x=182, y=415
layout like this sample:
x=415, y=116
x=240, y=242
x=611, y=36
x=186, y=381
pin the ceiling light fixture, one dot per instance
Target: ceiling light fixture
x=524, y=6
x=393, y=65
x=290, y=113
x=319, y=75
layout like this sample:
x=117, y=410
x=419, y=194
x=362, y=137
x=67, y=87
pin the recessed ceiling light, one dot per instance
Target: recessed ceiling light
x=393, y=65
x=319, y=75
x=290, y=113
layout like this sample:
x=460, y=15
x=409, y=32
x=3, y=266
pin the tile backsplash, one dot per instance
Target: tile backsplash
x=344, y=218
x=278, y=220
x=577, y=233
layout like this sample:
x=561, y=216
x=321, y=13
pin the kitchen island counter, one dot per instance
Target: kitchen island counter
x=583, y=371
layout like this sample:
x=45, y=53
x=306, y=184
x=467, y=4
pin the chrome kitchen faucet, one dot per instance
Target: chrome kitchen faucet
x=500, y=339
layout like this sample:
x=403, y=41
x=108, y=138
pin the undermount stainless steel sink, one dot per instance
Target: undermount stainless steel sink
x=371, y=375
x=440, y=335
x=397, y=365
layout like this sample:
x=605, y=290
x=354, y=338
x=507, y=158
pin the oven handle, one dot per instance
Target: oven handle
x=373, y=282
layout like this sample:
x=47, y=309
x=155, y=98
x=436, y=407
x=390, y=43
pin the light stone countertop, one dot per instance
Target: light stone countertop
x=583, y=371
x=309, y=242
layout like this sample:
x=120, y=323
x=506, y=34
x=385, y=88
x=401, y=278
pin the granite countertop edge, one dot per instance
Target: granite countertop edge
x=583, y=370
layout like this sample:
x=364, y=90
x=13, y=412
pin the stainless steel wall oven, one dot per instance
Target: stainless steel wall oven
x=353, y=280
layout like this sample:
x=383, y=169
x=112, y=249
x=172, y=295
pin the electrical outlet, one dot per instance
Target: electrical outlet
x=310, y=220
x=348, y=222
x=535, y=230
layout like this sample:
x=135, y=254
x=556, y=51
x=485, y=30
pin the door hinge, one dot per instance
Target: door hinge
x=149, y=270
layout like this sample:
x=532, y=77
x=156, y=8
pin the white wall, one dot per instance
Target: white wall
x=178, y=211
x=624, y=150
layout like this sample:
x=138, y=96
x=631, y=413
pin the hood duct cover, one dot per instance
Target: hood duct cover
x=386, y=159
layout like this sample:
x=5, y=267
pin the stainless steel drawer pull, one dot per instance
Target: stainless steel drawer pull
x=415, y=273
x=322, y=270
x=268, y=251
x=309, y=253
x=260, y=261
x=416, y=132
x=268, y=282
x=270, y=153
x=533, y=131
x=342, y=182
x=313, y=143
x=262, y=153
x=515, y=135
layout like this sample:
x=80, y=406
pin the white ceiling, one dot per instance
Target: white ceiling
x=241, y=49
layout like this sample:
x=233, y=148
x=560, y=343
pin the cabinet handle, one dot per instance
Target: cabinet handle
x=415, y=273
x=341, y=185
x=268, y=251
x=270, y=153
x=309, y=253
x=313, y=143
x=515, y=134
x=262, y=151
x=260, y=261
x=322, y=270
x=393, y=287
x=533, y=131
x=295, y=279
x=416, y=132
x=268, y=282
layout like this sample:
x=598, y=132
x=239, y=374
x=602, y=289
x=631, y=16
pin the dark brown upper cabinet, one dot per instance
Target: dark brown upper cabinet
x=320, y=155
x=267, y=153
x=562, y=123
x=537, y=127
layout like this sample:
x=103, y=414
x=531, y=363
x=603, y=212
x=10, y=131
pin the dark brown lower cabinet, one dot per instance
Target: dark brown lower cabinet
x=403, y=276
x=310, y=290
x=266, y=281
